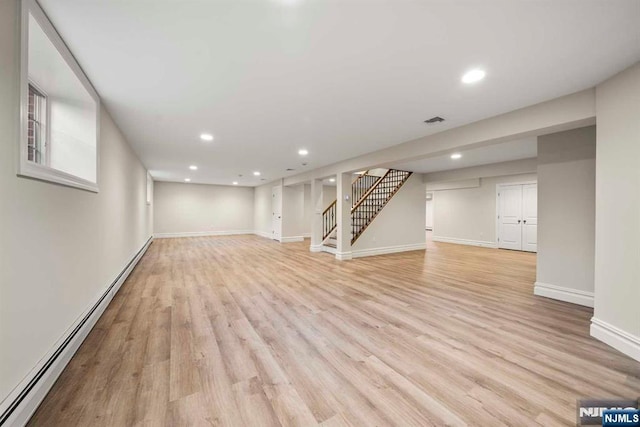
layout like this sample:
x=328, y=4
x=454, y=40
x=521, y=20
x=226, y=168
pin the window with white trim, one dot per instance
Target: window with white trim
x=60, y=109
x=37, y=126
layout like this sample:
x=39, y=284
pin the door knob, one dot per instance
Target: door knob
x=525, y=221
x=518, y=221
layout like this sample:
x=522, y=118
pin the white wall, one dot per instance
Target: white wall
x=293, y=226
x=262, y=209
x=183, y=209
x=60, y=247
x=513, y=167
x=400, y=224
x=328, y=195
x=566, y=215
x=617, y=259
x=307, y=217
x=74, y=146
x=468, y=215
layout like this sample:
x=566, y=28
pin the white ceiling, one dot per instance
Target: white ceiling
x=338, y=77
x=513, y=150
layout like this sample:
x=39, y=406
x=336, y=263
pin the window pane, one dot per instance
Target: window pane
x=37, y=126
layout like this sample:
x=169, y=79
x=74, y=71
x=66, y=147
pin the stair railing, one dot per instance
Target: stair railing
x=329, y=220
x=361, y=185
x=365, y=211
x=370, y=194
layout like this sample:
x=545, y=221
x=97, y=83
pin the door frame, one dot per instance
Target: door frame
x=273, y=236
x=433, y=209
x=497, y=212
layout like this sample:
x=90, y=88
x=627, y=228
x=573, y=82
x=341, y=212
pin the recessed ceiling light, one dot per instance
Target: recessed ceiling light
x=187, y=180
x=303, y=152
x=193, y=167
x=235, y=182
x=456, y=156
x=256, y=173
x=206, y=137
x=332, y=180
x=473, y=76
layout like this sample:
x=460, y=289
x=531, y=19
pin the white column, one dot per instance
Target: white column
x=343, y=208
x=316, y=220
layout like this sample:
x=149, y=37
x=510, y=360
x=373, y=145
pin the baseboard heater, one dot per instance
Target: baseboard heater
x=43, y=370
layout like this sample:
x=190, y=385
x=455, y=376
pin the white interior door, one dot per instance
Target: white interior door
x=530, y=217
x=429, y=209
x=509, y=217
x=276, y=215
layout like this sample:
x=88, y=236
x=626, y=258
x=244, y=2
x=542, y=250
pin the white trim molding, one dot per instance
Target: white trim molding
x=388, y=250
x=455, y=240
x=315, y=248
x=264, y=234
x=34, y=170
x=341, y=256
x=329, y=249
x=622, y=341
x=202, y=234
x=19, y=406
x=561, y=293
x=291, y=239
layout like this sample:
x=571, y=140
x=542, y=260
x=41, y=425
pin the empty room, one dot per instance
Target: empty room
x=320, y=213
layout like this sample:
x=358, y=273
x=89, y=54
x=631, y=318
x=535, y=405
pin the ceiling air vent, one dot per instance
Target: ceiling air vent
x=433, y=120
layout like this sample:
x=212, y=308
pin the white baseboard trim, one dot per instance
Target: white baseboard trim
x=560, y=293
x=306, y=235
x=202, y=234
x=340, y=256
x=291, y=239
x=622, y=341
x=388, y=250
x=21, y=403
x=315, y=248
x=264, y=234
x=329, y=250
x=481, y=243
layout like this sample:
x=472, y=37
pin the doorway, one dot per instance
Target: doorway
x=429, y=210
x=276, y=213
x=517, y=216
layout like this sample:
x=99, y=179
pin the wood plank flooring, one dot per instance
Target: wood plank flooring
x=244, y=331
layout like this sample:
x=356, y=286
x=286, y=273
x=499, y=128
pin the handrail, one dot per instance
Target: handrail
x=359, y=186
x=370, y=190
x=329, y=207
x=370, y=219
x=360, y=176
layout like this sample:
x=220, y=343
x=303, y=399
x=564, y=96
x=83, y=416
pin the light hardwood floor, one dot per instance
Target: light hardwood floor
x=240, y=330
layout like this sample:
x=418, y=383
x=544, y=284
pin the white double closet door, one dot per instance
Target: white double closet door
x=518, y=217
